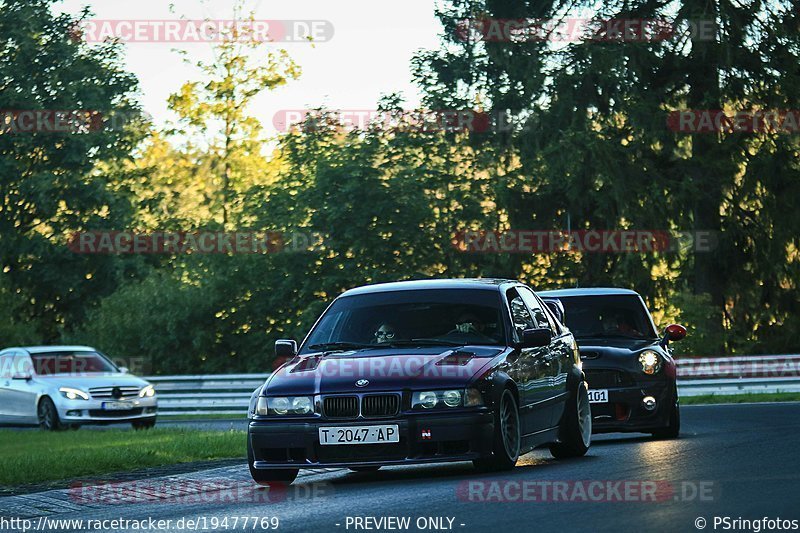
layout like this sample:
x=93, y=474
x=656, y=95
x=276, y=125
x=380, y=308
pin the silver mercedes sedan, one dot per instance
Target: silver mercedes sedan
x=61, y=387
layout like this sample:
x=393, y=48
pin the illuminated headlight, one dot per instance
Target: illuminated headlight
x=147, y=392
x=426, y=400
x=650, y=361
x=451, y=398
x=446, y=398
x=291, y=405
x=73, y=394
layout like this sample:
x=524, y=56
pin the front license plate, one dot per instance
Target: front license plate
x=117, y=406
x=598, y=396
x=359, y=435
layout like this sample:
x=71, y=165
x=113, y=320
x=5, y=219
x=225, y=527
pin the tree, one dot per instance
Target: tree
x=216, y=109
x=53, y=183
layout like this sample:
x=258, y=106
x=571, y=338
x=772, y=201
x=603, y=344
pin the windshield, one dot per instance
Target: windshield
x=410, y=318
x=607, y=316
x=71, y=362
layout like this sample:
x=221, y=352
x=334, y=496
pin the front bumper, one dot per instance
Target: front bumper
x=424, y=438
x=625, y=411
x=92, y=412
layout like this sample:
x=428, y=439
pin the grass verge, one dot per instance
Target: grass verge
x=38, y=456
x=203, y=417
x=741, y=398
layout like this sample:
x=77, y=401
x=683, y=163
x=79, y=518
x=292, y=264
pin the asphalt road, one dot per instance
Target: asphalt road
x=736, y=461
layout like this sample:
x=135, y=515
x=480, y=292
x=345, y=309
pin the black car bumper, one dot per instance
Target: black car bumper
x=424, y=438
x=625, y=410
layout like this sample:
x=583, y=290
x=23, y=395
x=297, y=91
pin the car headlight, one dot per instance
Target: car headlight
x=282, y=405
x=446, y=398
x=73, y=394
x=147, y=392
x=650, y=361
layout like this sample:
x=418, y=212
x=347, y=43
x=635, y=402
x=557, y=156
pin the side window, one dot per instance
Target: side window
x=6, y=365
x=23, y=365
x=519, y=312
x=539, y=316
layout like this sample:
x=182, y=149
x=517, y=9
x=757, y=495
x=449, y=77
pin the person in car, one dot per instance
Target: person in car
x=386, y=332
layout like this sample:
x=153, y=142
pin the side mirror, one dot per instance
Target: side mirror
x=124, y=369
x=536, y=338
x=22, y=375
x=285, y=348
x=673, y=332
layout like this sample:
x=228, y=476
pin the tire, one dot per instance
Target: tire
x=673, y=429
x=575, y=435
x=139, y=425
x=507, y=436
x=48, y=415
x=365, y=468
x=271, y=477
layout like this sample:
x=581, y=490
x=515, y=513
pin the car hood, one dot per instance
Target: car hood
x=384, y=370
x=92, y=380
x=616, y=353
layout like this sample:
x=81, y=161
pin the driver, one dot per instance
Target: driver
x=469, y=323
x=617, y=323
x=385, y=333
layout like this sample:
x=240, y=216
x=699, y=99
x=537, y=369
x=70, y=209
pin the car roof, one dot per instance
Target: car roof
x=48, y=349
x=588, y=291
x=492, y=284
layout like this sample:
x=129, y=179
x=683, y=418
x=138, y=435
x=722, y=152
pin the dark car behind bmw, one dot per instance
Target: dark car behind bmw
x=421, y=372
x=628, y=365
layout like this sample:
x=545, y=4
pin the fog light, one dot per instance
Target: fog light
x=649, y=403
x=75, y=413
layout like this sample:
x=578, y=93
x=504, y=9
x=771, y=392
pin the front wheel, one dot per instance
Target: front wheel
x=673, y=428
x=507, y=437
x=48, y=415
x=575, y=435
x=271, y=477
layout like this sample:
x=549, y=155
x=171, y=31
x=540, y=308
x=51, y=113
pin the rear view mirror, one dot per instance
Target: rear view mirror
x=285, y=348
x=536, y=338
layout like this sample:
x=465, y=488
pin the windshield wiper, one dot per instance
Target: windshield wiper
x=340, y=346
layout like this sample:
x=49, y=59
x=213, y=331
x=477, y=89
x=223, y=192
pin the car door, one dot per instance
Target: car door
x=23, y=388
x=530, y=370
x=6, y=371
x=556, y=357
x=14, y=390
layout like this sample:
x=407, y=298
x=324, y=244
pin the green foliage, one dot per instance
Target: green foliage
x=53, y=183
x=587, y=147
x=170, y=322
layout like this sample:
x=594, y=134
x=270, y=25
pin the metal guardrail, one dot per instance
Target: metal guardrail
x=230, y=393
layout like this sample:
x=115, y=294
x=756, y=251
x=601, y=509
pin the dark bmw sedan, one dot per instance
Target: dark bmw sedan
x=628, y=365
x=422, y=372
